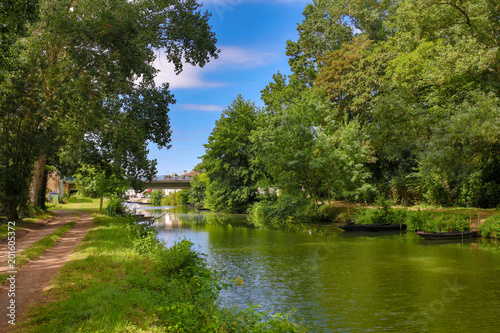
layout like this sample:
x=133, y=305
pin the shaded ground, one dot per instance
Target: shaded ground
x=34, y=277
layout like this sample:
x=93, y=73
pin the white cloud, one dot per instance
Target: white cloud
x=238, y=57
x=231, y=58
x=202, y=107
x=191, y=76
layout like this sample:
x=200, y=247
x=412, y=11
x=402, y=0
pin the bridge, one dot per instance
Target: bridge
x=168, y=182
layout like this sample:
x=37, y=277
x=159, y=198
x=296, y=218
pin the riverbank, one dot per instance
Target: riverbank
x=288, y=215
x=121, y=279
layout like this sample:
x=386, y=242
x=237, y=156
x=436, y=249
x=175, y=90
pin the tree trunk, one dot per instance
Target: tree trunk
x=43, y=190
x=11, y=211
x=100, y=205
x=37, y=180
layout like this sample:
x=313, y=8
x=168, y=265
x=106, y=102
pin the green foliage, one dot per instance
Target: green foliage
x=179, y=198
x=115, y=206
x=27, y=210
x=281, y=212
x=228, y=159
x=93, y=182
x=433, y=221
x=197, y=193
x=156, y=196
x=384, y=213
x=282, y=208
x=491, y=227
x=168, y=200
x=328, y=24
x=86, y=94
x=182, y=197
x=416, y=220
x=304, y=148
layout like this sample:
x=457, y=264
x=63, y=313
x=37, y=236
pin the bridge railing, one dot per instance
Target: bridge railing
x=160, y=178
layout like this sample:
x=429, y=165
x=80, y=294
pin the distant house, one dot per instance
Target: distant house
x=191, y=174
x=59, y=185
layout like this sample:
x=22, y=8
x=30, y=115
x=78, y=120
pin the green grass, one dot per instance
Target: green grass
x=121, y=280
x=86, y=205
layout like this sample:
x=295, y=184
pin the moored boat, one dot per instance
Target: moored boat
x=447, y=235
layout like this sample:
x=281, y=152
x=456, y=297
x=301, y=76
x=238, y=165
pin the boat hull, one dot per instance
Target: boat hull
x=447, y=235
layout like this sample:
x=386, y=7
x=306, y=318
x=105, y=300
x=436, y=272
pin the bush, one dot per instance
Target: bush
x=383, y=214
x=156, y=197
x=491, y=227
x=416, y=220
x=27, y=210
x=179, y=198
x=281, y=210
x=429, y=221
x=115, y=206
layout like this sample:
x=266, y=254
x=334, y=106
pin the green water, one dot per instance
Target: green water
x=340, y=282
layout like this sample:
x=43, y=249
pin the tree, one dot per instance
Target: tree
x=197, y=193
x=14, y=15
x=445, y=70
x=286, y=140
x=351, y=78
x=82, y=62
x=228, y=156
x=307, y=152
x=93, y=182
x=328, y=25
x=156, y=196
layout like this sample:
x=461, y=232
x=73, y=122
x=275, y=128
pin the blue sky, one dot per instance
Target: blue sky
x=252, y=36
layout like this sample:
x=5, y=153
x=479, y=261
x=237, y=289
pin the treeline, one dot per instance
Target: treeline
x=398, y=99
x=77, y=89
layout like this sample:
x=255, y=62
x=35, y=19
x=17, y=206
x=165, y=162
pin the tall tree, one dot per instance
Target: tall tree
x=228, y=159
x=94, y=182
x=444, y=70
x=328, y=24
x=79, y=59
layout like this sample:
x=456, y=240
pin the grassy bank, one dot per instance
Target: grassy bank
x=433, y=219
x=86, y=205
x=121, y=280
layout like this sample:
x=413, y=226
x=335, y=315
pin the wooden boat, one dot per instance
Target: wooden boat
x=448, y=235
x=372, y=227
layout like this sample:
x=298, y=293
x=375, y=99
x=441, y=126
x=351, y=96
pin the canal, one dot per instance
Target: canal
x=344, y=282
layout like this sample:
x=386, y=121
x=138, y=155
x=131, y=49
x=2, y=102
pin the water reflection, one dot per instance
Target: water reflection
x=342, y=283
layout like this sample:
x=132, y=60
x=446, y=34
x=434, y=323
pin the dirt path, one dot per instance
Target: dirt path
x=32, y=278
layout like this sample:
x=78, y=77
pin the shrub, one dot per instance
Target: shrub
x=280, y=211
x=491, y=227
x=383, y=214
x=416, y=220
x=437, y=221
x=156, y=197
x=115, y=206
